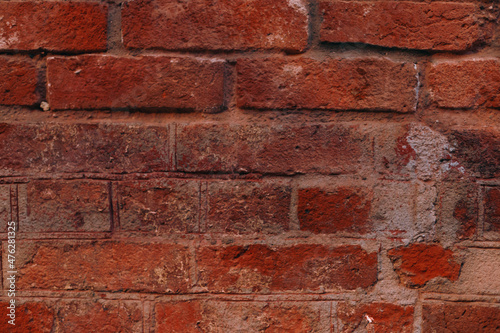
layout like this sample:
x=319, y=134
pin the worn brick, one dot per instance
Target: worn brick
x=215, y=316
x=53, y=147
x=443, y=26
x=29, y=317
x=53, y=26
x=477, y=150
x=215, y=25
x=419, y=263
x=283, y=149
x=260, y=268
x=465, y=84
x=341, y=209
x=491, y=204
x=147, y=82
x=52, y=206
x=383, y=317
x=244, y=207
x=103, y=266
x=108, y=316
x=460, y=317
x=18, y=81
x=5, y=206
x=377, y=84
x=162, y=206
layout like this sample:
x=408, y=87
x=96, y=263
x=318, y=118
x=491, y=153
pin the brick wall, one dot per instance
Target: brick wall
x=251, y=165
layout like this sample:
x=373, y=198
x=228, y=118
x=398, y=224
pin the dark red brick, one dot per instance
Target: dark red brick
x=491, y=204
x=376, y=84
x=52, y=147
x=244, y=207
x=195, y=315
x=478, y=151
x=18, y=81
x=30, y=317
x=375, y=318
x=342, y=209
x=53, y=26
x=460, y=317
x=103, y=266
x=465, y=84
x=53, y=206
x=260, y=268
x=162, y=206
x=417, y=264
x=443, y=26
x=147, y=82
x=215, y=25
x=284, y=149
x=105, y=316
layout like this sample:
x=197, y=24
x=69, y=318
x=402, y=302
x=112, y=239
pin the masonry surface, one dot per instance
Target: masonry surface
x=251, y=166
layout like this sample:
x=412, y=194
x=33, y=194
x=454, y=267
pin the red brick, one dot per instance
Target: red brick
x=444, y=26
x=383, y=318
x=104, y=316
x=377, y=84
x=53, y=26
x=273, y=317
x=147, y=82
x=460, y=317
x=162, y=206
x=465, y=84
x=458, y=207
x=53, y=206
x=283, y=149
x=260, y=268
x=215, y=25
x=5, y=206
x=30, y=317
x=342, y=209
x=18, y=81
x=491, y=204
x=103, y=266
x=245, y=207
x=52, y=147
x=478, y=151
x=417, y=264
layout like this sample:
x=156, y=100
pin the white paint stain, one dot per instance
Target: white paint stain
x=299, y=5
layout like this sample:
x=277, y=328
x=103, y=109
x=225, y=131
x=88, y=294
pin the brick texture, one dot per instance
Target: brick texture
x=152, y=82
x=53, y=26
x=19, y=81
x=337, y=84
x=199, y=25
x=443, y=26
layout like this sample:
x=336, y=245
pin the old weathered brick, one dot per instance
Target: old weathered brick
x=244, y=207
x=341, y=209
x=377, y=84
x=18, y=81
x=215, y=25
x=103, y=266
x=460, y=317
x=53, y=147
x=147, y=82
x=162, y=206
x=412, y=25
x=210, y=316
x=29, y=317
x=465, y=84
x=283, y=149
x=477, y=150
x=417, y=264
x=260, y=268
x=108, y=316
x=53, y=26
x=51, y=206
x=375, y=317
x=491, y=204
